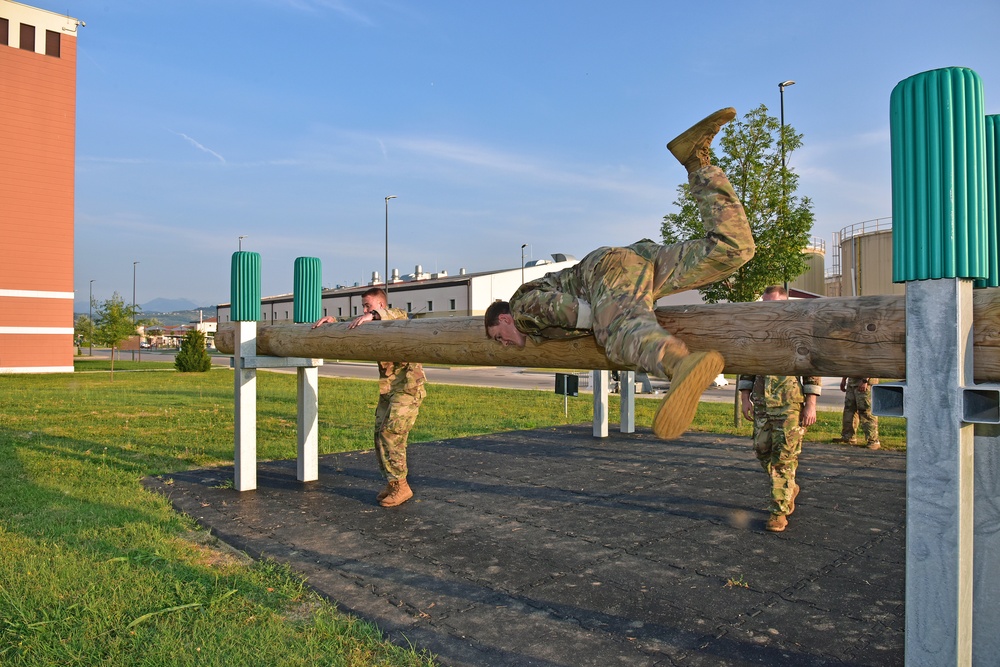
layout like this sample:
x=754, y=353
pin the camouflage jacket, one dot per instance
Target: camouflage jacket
x=399, y=376
x=779, y=393
x=549, y=307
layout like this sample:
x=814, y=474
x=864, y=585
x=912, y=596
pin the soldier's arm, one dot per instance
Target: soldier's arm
x=812, y=387
x=542, y=309
x=745, y=385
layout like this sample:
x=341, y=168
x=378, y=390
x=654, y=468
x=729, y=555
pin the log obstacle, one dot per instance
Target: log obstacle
x=845, y=336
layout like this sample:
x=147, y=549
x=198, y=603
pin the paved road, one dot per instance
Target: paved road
x=502, y=377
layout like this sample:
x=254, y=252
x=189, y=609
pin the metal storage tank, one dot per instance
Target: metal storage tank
x=813, y=279
x=865, y=254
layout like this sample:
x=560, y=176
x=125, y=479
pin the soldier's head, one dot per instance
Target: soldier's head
x=373, y=299
x=775, y=293
x=500, y=325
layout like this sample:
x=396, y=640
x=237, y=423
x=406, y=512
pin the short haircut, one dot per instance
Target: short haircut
x=493, y=313
x=376, y=292
x=776, y=289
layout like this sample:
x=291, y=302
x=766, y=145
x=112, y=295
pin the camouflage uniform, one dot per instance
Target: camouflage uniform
x=401, y=390
x=621, y=285
x=858, y=409
x=777, y=435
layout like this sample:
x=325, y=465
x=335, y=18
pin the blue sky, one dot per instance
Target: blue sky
x=494, y=123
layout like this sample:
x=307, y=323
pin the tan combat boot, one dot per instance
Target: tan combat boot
x=384, y=492
x=690, y=379
x=776, y=523
x=399, y=493
x=692, y=146
x=874, y=445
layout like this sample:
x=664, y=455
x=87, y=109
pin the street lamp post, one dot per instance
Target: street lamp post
x=781, y=92
x=90, y=316
x=386, y=276
x=784, y=163
x=523, y=246
x=241, y=242
x=133, y=308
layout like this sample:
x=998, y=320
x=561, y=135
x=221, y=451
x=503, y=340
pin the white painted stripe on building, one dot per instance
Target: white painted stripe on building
x=35, y=294
x=36, y=330
x=37, y=369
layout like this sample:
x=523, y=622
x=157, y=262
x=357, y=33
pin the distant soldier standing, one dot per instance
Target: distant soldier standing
x=401, y=391
x=781, y=407
x=858, y=410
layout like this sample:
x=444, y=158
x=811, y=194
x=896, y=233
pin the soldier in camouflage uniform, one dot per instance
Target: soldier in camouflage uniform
x=611, y=292
x=401, y=390
x=781, y=407
x=858, y=409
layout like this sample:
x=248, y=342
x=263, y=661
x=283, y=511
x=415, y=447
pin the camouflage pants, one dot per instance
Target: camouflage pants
x=777, y=441
x=858, y=410
x=394, y=417
x=626, y=282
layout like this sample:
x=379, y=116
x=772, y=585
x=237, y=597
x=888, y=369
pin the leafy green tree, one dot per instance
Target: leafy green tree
x=780, y=220
x=193, y=357
x=115, y=322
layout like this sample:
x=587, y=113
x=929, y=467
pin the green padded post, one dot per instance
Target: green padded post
x=245, y=287
x=992, y=201
x=938, y=133
x=307, y=297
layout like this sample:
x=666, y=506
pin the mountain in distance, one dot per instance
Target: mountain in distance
x=161, y=305
x=169, y=312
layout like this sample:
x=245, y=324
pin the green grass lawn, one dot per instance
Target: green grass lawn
x=95, y=570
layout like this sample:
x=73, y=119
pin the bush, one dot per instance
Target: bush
x=193, y=357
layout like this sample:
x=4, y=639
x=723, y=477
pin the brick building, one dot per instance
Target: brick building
x=37, y=153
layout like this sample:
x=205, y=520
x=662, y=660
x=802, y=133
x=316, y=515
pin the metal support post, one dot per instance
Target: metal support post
x=939, y=473
x=626, y=395
x=245, y=413
x=600, y=381
x=307, y=469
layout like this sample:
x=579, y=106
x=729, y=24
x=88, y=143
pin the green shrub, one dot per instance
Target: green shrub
x=193, y=357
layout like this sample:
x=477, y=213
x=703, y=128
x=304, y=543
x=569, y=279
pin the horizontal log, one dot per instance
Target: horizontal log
x=847, y=336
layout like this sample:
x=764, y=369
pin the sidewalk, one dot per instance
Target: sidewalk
x=552, y=548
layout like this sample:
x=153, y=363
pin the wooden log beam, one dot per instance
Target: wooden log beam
x=848, y=336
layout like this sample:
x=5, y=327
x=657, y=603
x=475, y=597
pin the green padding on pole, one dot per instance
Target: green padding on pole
x=992, y=201
x=308, y=295
x=245, y=287
x=938, y=133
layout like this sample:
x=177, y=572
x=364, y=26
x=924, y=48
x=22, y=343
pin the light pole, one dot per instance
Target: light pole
x=523, y=246
x=784, y=164
x=781, y=92
x=386, y=276
x=133, y=308
x=241, y=242
x=90, y=315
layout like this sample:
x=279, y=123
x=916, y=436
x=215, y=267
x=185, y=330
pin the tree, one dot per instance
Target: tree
x=115, y=322
x=193, y=357
x=781, y=221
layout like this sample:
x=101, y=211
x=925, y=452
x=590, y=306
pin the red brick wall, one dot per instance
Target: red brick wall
x=37, y=155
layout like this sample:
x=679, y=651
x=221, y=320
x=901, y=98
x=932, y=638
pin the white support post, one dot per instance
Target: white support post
x=307, y=469
x=939, y=473
x=600, y=381
x=626, y=394
x=245, y=413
